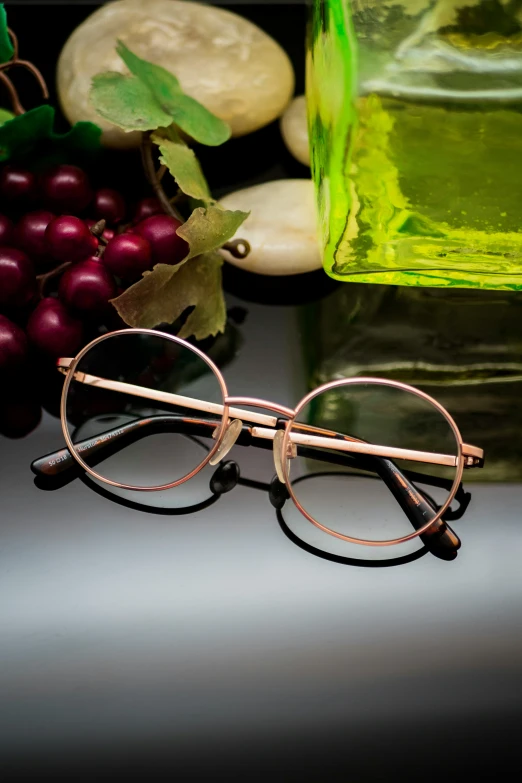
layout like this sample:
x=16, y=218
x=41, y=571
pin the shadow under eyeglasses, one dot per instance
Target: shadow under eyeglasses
x=56, y=482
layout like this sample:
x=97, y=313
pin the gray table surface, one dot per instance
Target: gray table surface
x=212, y=646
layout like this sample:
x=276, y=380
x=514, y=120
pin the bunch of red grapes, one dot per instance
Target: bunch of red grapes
x=60, y=266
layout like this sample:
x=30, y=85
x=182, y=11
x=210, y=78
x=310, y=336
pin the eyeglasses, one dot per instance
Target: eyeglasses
x=138, y=405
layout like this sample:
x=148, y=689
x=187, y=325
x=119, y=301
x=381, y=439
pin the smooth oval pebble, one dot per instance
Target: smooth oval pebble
x=294, y=129
x=281, y=227
x=224, y=61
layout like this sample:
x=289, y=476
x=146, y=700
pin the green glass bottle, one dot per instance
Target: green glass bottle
x=416, y=138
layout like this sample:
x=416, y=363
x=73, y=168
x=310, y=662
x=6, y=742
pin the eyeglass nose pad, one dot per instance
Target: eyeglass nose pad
x=278, y=455
x=232, y=433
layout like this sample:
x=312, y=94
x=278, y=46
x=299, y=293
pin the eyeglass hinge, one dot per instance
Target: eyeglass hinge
x=78, y=376
x=474, y=462
x=473, y=456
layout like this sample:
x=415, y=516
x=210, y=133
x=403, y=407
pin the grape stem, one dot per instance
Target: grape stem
x=16, y=104
x=154, y=178
x=14, y=41
x=13, y=94
x=239, y=248
x=46, y=276
x=97, y=231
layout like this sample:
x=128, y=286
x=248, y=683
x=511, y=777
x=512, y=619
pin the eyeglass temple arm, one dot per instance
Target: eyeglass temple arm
x=414, y=505
x=473, y=454
x=115, y=440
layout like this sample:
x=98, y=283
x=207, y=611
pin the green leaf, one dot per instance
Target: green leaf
x=166, y=292
x=162, y=84
x=21, y=136
x=5, y=115
x=82, y=136
x=6, y=47
x=198, y=122
x=126, y=102
x=188, y=114
x=210, y=314
x=208, y=229
x=184, y=167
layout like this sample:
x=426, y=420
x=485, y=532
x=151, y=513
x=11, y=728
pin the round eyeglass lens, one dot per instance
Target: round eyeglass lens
x=142, y=409
x=393, y=462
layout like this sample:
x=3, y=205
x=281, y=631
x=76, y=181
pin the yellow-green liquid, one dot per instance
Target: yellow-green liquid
x=436, y=195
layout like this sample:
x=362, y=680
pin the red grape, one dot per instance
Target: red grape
x=6, y=230
x=145, y=208
x=48, y=301
x=17, y=184
x=94, y=244
x=109, y=205
x=19, y=416
x=66, y=188
x=68, y=239
x=128, y=256
x=13, y=344
x=160, y=231
x=17, y=279
x=53, y=330
x=87, y=286
x=30, y=232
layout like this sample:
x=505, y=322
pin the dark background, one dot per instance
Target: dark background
x=211, y=646
x=43, y=28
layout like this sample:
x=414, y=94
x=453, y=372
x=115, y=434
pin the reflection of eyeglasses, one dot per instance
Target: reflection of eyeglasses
x=362, y=427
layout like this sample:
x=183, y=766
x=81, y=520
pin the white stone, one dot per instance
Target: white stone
x=281, y=228
x=294, y=129
x=231, y=66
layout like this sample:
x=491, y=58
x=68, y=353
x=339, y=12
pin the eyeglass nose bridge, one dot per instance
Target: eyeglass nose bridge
x=265, y=421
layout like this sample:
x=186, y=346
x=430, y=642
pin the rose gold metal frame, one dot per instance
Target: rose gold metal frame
x=71, y=366
x=460, y=459
x=467, y=455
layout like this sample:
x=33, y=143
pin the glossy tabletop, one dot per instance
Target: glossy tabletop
x=212, y=640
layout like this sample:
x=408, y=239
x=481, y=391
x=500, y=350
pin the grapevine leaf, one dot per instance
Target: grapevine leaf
x=166, y=292
x=5, y=115
x=209, y=228
x=162, y=84
x=126, y=102
x=204, y=288
x=20, y=136
x=198, y=122
x=188, y=114
x=6, y=47
x=184, y=167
